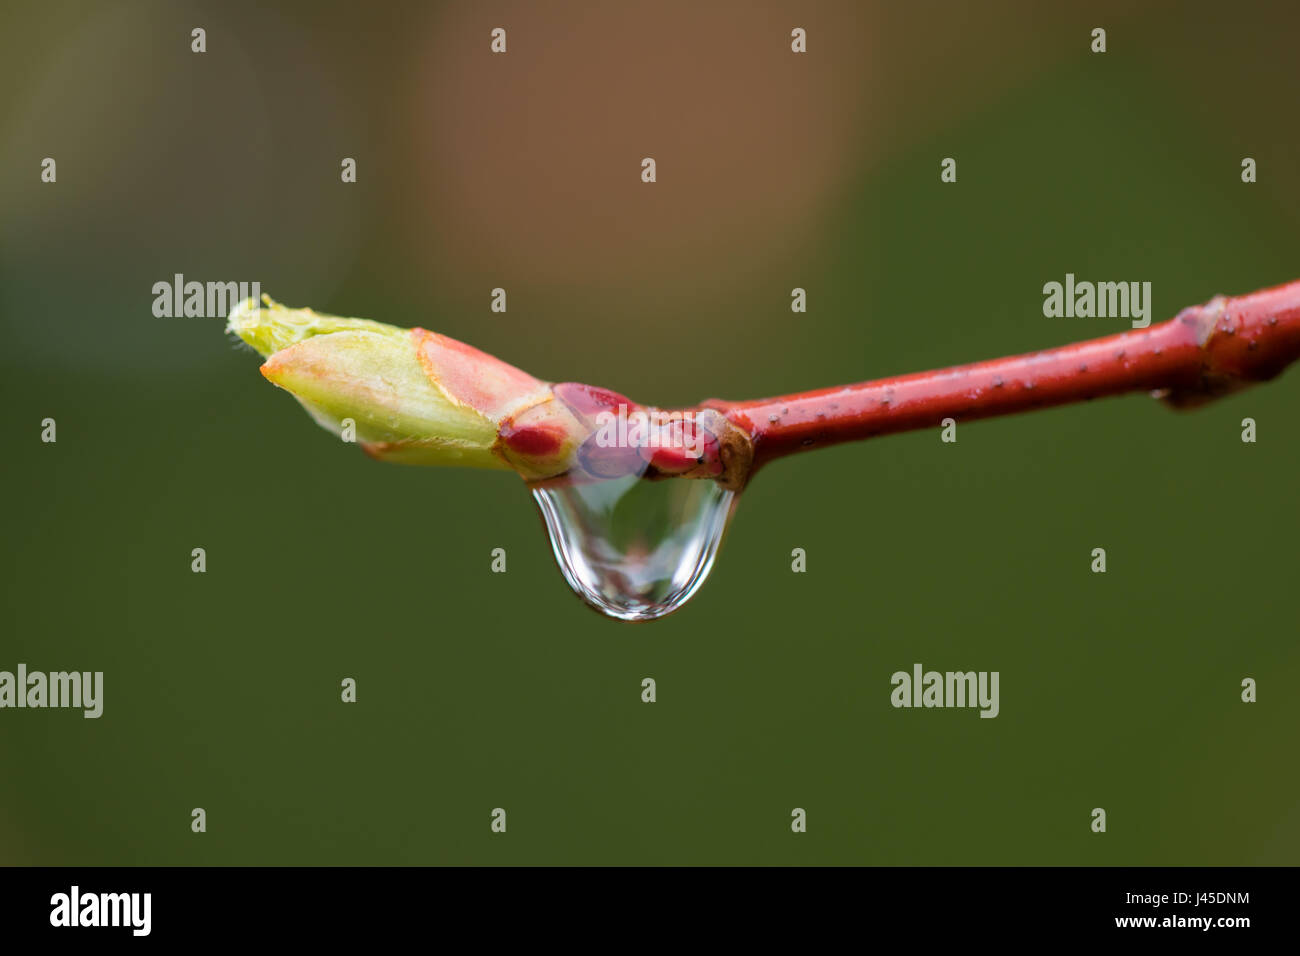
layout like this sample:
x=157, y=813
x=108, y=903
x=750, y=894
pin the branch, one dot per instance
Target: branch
x=416, y=397
x=1204, y=352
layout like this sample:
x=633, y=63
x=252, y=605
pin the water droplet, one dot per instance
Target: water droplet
x=635, y=549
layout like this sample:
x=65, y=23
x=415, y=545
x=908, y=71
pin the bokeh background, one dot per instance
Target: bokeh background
x=480, y=690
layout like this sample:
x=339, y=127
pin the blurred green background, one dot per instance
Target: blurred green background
x=479, y=690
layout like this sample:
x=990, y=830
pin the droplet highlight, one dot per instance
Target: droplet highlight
x=633, y=548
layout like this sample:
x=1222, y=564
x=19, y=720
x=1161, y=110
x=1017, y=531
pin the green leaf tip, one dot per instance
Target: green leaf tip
x=269, y=326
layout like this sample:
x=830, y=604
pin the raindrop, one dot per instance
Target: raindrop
x=634, y=548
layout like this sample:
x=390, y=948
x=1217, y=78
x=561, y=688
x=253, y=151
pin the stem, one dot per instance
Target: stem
x=422, y=398
x=1202, y=353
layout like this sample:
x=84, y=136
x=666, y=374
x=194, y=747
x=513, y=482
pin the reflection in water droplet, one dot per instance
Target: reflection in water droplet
x=632, y=548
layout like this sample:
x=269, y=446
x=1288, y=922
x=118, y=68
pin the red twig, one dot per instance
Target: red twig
x=1203, y=352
